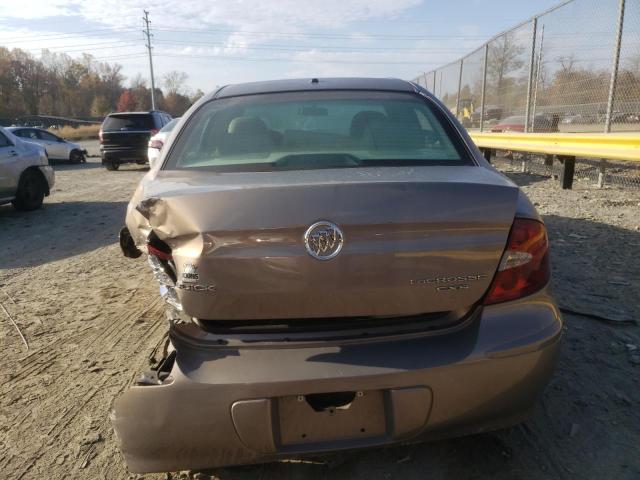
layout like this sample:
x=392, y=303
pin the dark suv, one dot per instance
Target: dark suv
x=124, y=136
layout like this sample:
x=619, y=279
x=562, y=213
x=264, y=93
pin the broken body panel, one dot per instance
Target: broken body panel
x=228, y=404
x=408, y=234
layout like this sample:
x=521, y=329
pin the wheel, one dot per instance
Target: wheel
x=112, y=166
x=31, y=191
x=76, y=157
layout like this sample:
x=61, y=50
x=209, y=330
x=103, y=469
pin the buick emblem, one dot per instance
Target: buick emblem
x=323, y=240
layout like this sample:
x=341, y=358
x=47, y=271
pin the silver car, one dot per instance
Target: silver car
x=25, y=175
x=57, y=148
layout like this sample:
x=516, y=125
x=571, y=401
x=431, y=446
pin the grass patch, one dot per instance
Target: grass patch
x=85, y=132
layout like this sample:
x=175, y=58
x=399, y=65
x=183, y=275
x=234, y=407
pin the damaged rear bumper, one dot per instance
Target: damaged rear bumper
x=228, y=404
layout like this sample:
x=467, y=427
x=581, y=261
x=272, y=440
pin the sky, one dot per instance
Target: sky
x=220, y=42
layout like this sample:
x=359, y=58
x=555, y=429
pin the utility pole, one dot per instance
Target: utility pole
x=537, y=81
x=153, y=82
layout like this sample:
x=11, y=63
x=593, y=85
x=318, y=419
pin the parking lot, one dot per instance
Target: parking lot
x=92, y=319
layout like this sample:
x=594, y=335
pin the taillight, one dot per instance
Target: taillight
x=159, y=252
x=524, y=267
x=156, y=144
x=100, y=136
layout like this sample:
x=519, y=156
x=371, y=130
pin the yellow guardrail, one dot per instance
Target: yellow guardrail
x=613, y=146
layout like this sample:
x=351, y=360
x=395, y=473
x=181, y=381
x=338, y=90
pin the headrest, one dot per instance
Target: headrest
x=246, y=125
x=363, y=119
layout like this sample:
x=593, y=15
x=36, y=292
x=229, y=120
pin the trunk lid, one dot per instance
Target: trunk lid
x=416, y=240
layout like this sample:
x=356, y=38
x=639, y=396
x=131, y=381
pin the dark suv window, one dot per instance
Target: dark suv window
x=129, y=121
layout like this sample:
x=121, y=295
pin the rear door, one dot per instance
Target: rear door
x=30, y=135
x=55, y=147
x=9, y=163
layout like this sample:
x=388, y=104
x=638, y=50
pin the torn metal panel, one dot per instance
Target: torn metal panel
x=416, y=240
x=228, y=405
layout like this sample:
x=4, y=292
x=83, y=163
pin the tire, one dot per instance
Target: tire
x=76, y=156
x=31, y=191
x=112, y=167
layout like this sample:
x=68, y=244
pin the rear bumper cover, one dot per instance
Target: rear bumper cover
x=123, y=155
x=227, y=405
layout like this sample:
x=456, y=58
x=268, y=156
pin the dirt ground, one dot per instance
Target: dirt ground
x=92, y=317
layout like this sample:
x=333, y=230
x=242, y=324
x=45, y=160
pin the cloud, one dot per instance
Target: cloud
x=204, y=33
x=33, y=9
x=241, y=14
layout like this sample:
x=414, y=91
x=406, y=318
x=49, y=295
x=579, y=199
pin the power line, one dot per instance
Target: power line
x=64, y=36
x=121, y=57
x=306, y=48
x=293, y=60
x=350, y=36
x=80, y=48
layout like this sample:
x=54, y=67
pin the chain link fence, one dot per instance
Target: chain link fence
x=574, y=68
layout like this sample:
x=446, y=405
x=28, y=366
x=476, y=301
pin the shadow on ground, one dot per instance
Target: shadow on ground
x=595, y=267
x=90, y=165
x=62, y=165
x=522, y=179
x=57, y=230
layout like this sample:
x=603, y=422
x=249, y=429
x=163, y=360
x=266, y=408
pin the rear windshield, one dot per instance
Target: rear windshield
x=128, y=121
x=308, y=130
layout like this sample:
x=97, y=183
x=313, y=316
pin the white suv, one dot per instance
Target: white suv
x=25, y=175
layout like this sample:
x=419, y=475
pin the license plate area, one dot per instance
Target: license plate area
x=316, y=422
x=331, y=416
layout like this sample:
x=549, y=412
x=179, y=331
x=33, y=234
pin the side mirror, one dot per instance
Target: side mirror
x=61, y=140
x=127, y=245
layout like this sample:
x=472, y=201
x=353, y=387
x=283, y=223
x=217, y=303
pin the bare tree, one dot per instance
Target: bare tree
x=174, y=82
x=567, y=64
x=505, y=57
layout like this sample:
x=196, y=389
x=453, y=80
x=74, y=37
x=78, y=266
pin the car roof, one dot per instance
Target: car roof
x=313, y=84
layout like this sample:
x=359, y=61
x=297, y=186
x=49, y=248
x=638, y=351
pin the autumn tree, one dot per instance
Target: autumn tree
x=126, y=102
x=57, y=84
x=197, y=96
x=100, y=106
x=176, y=104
